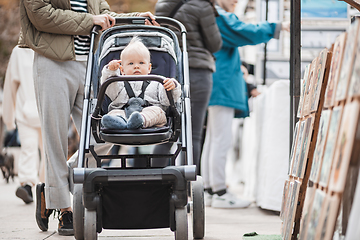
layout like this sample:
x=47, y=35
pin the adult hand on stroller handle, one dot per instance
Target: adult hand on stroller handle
x=121, y=21
x=104, y=21
x=141, y=21
x=160, y=20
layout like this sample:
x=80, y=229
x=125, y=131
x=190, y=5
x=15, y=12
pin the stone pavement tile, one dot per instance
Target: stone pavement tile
x=17, y=221
x=232, y=224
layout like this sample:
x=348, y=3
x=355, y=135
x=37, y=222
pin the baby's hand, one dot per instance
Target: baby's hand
x=114, y=65
x=169, y=84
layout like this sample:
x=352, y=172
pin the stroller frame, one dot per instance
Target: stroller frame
x=166, y=189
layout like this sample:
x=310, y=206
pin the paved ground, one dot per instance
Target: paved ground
x=17, y=221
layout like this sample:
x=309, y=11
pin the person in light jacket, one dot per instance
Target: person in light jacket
x=20, y=110
x=59, y=33
x=203, y=39
x=229, y=93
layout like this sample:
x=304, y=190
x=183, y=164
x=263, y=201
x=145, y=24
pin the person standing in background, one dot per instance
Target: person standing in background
x=59, y=33
x=203, y=39
x=20, y=110
x=229, y=93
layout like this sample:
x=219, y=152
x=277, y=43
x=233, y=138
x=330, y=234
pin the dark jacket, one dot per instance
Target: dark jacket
x=203, y=35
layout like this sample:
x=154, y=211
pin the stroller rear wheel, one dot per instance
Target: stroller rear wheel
x=198, y=213
x=90, y=225
x=181, y=232
x=78, y=213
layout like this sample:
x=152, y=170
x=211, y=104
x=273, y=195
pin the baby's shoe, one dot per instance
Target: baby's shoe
x=135, y=121
x=113, y=122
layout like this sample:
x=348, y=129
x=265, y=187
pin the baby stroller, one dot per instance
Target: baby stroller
x=128, y=197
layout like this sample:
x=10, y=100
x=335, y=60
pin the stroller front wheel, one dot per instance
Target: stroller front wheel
x=78, y=213
x=198, y=213
x=181, y=232
x=90, y=225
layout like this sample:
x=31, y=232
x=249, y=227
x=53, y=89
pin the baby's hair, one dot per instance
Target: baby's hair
x=136, y=45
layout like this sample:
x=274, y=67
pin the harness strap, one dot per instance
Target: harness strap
x=129, y=89
x=143, y=88
x=131, y=93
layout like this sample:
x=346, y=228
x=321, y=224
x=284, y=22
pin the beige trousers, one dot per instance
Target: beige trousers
x=59, y=88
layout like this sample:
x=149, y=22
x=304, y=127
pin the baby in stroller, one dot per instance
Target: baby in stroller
x=136, y=104
x=152, y=195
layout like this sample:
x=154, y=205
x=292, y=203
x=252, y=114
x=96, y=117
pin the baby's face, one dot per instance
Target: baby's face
x=228, y=5
x=135, y=64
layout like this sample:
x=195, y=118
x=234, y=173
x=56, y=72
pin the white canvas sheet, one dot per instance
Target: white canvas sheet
x=265, y=146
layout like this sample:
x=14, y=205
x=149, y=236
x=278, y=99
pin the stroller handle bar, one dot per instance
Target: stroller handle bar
x=157, y=78
x=141, y=20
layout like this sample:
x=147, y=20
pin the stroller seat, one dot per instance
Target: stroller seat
x=141, y=136
x=136, y=131
x=164, y=63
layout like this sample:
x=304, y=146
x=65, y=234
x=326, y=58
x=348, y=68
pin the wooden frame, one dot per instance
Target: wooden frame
x=320, y=145
x=294, y=146
x=321, y=76
x=291, y=209
x=305, y=146
x=328, y=217
x=354, y=88
x=284, y=199
x=309, y=88
x=353, y=230
x=347, y=63
x=303, y=87
x=315, y=214
x=336, y=61
x=344, y=146
x=298, y=149
x=308, y=201
x=334, y=127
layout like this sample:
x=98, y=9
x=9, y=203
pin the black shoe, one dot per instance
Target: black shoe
x=25, y=193
x=66, y=224
x=42, y=214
